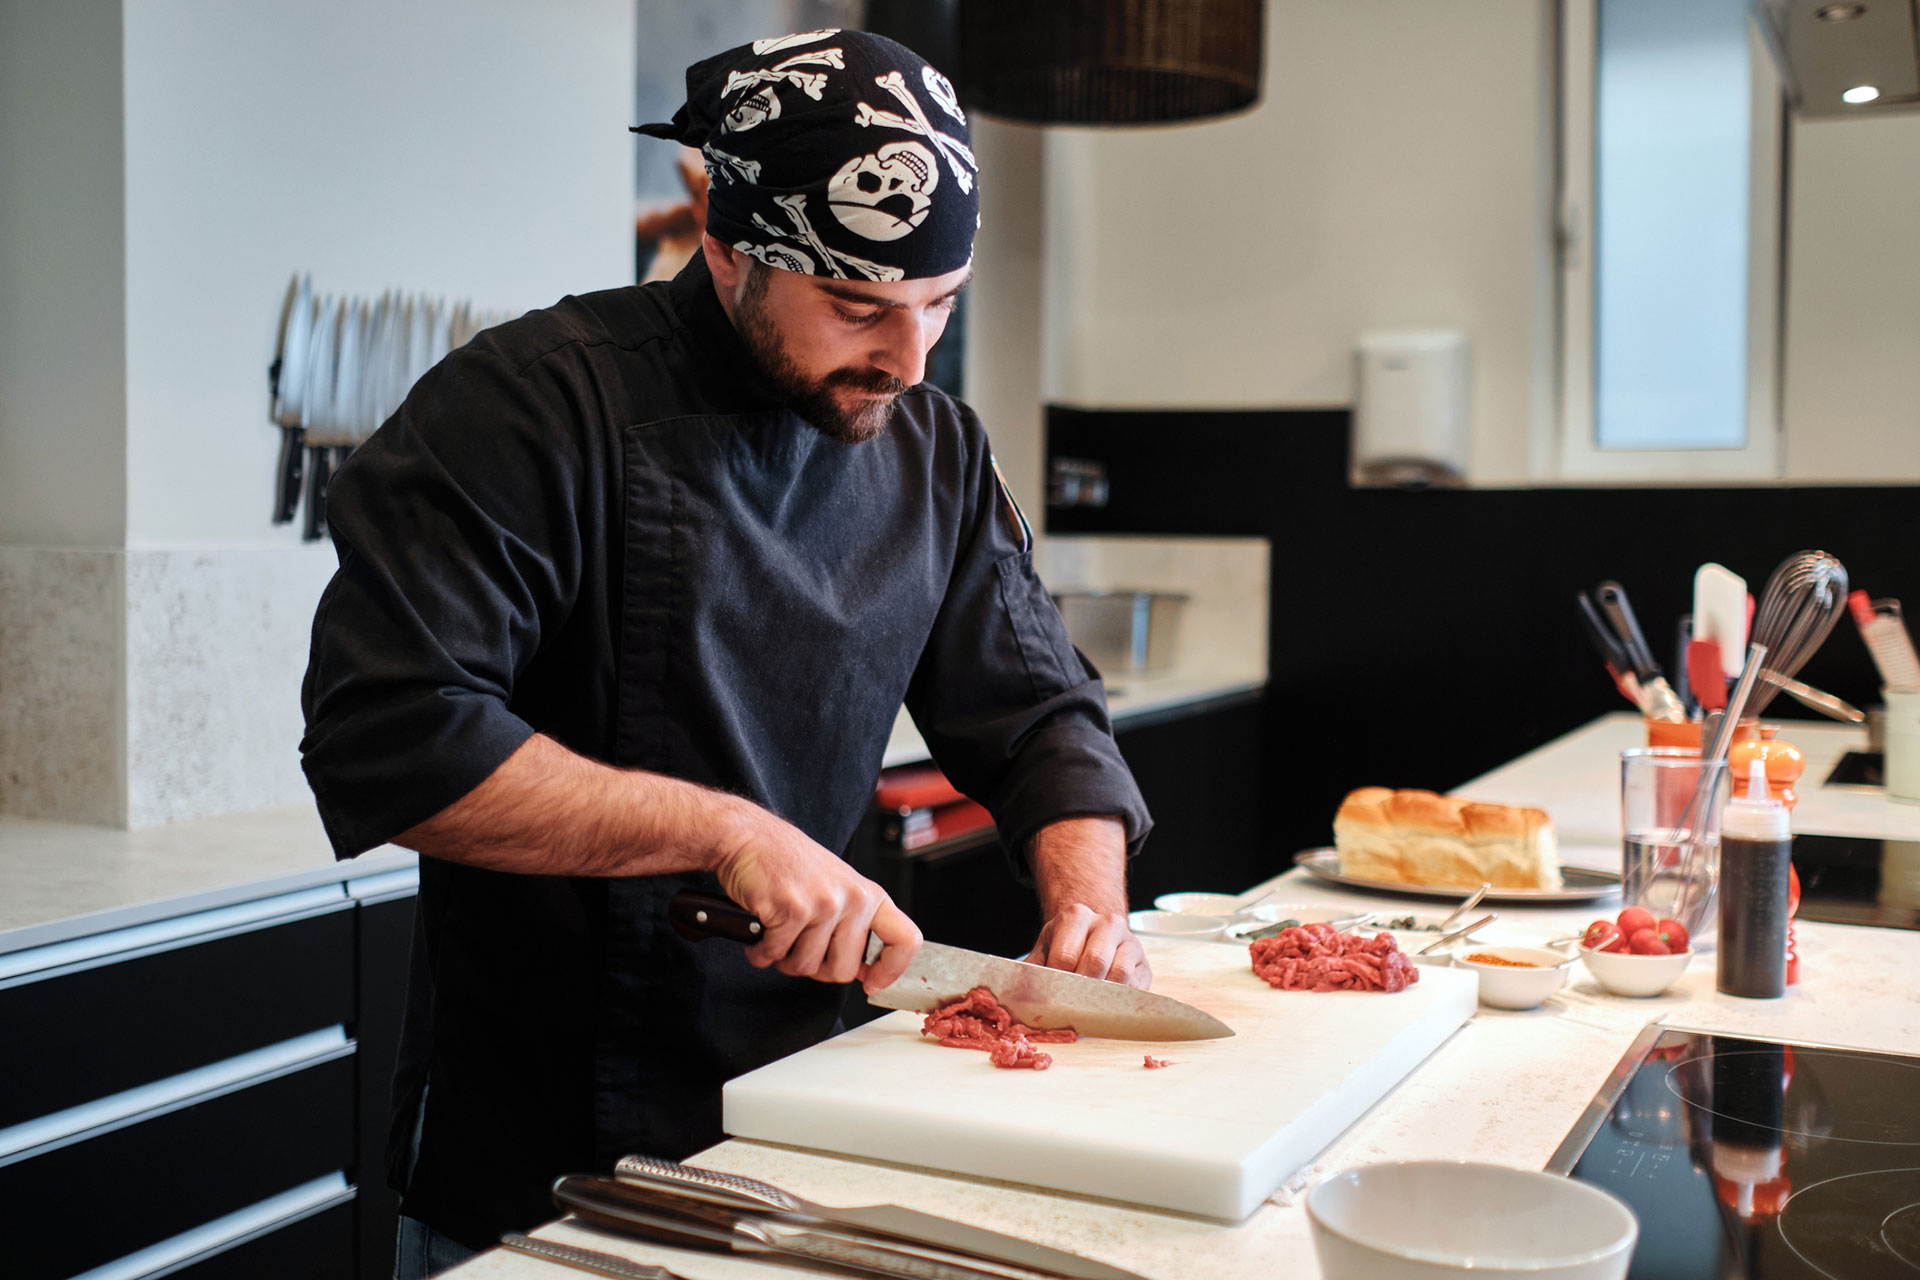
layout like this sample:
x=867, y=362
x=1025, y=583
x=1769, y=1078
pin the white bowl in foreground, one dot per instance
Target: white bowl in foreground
x=1176, y=924
x=1199, y=904
x=1530, y=975
x=1430, y=1220
x=1626, y=974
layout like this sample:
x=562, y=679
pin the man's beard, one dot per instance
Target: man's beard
x=812, y=399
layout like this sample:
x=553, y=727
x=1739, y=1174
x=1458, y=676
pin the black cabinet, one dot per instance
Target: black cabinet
x=65, y=1040
x=212, y=1104
x=122, y=1191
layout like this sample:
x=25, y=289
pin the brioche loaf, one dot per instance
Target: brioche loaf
x=1418, y=837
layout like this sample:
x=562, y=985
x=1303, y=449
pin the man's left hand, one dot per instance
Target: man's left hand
x=1080, y=867
x=1100, y=946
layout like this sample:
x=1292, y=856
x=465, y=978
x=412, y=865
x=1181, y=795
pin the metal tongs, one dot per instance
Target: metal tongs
x=673, y=1217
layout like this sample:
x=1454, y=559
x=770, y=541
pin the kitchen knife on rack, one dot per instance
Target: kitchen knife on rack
x=1034, y=994
x=671, y=1218
x=889, y=1221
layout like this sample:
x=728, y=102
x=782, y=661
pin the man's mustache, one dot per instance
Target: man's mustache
x=873, y=381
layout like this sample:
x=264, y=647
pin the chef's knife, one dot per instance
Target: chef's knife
x=1041, y=998
x=671, y=1218
x=738, y=1192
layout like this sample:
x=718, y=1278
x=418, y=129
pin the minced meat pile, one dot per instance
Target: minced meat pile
x=1312, y=957
x=978, y=1021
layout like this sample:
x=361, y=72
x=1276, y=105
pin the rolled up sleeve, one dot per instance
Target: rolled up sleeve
x=1011, y=711
x=459, y=545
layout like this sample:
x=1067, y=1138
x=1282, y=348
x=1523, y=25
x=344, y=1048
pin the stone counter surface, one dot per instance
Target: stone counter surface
x=61, y=880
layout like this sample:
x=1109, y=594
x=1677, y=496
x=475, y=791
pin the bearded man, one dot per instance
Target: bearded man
x=630, y=592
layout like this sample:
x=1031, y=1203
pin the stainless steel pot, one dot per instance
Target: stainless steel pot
x=1124, y=631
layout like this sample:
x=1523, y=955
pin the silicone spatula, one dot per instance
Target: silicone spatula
x=1720, y=614
x=1705, y=675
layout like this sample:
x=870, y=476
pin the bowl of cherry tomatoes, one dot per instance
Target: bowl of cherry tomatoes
x=1637, y=953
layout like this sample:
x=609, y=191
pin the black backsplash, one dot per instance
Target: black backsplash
x=1421, y=638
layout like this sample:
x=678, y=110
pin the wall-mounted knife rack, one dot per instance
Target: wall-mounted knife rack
x=341, y=366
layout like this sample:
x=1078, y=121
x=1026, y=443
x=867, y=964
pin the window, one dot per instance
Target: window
x=1669, y=203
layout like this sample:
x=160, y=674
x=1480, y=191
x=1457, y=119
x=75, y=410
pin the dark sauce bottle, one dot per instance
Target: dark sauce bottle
x=1756, y=853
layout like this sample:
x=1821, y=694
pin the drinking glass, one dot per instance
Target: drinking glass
x=1670, y=859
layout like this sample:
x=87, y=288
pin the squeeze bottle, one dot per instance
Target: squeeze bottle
x=1756, y=853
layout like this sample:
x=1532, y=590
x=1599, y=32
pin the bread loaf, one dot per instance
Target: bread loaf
x=1418, y=837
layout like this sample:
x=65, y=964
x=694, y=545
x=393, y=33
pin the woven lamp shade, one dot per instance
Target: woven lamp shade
x=1110, y=61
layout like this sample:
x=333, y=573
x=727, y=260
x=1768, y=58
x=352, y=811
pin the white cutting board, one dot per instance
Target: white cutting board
x=1215, y=1134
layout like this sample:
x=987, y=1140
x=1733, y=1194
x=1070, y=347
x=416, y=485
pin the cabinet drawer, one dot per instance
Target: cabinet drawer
x=75, y=1207
x=77, y=1036
x=319, y=1247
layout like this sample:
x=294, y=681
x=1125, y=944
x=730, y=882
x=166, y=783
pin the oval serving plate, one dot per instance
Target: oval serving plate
x=1578, y=884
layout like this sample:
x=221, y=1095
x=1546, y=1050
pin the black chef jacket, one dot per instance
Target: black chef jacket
x=596, y=522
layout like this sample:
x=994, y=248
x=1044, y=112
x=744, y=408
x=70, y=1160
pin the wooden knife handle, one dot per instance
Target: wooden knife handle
x=695, y=915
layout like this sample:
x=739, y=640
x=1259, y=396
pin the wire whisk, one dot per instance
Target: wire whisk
x=1798, y=609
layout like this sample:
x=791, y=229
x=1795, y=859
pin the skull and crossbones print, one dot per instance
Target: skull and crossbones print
x=955, y=151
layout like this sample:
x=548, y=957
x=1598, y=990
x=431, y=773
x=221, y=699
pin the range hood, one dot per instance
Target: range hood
x=1832, y=54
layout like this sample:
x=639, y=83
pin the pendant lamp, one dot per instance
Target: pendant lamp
x=1110, y=61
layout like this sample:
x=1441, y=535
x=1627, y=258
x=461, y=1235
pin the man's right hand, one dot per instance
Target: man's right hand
x=816, y=910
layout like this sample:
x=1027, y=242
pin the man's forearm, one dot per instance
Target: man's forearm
x=1081, y=860
x=548, y=811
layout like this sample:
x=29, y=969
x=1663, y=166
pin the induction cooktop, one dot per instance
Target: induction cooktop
x=1758, y=1160
x=1852, y=880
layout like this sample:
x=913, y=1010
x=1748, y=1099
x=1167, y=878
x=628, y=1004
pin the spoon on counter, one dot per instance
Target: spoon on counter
x=1445, y=938
x=1473, y=900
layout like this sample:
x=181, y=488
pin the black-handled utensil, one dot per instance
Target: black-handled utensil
x=1612, y=598
x=695, y=915
x=1683, y=638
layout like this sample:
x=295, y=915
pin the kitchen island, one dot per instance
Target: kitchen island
x=1506, y=1088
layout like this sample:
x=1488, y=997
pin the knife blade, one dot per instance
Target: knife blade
x=669, y=1217
x=892, y=1220
x=1040, y=997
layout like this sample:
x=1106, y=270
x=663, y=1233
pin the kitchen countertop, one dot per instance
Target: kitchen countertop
x=1505, y=1089
x=1576, y=779
x=62, y=880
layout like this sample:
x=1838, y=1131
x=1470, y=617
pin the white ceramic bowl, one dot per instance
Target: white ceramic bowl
x=1176, y=924
x=1626, y=974
x=1425, y=1220
x=1199, y=904
x=1510, y=986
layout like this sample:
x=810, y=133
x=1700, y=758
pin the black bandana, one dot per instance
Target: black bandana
x=832, y=153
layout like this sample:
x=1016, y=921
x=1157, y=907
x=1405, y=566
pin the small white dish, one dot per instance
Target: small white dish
x=1438, y=1219
x=1538, y=974
x=1176, y=924
x=1627, y=974
x=1200, y=904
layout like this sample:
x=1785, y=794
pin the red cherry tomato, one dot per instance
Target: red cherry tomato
x=1634, y=919
x=1647, y=943
x=1673, y=933
x=1598, y=934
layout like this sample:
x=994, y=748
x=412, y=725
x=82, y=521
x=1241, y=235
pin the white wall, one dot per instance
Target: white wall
x=1392, y=177
x=474, y=149
x=467, y=148
x=62, y=312
x=1004, y=357
x=1852, y=378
